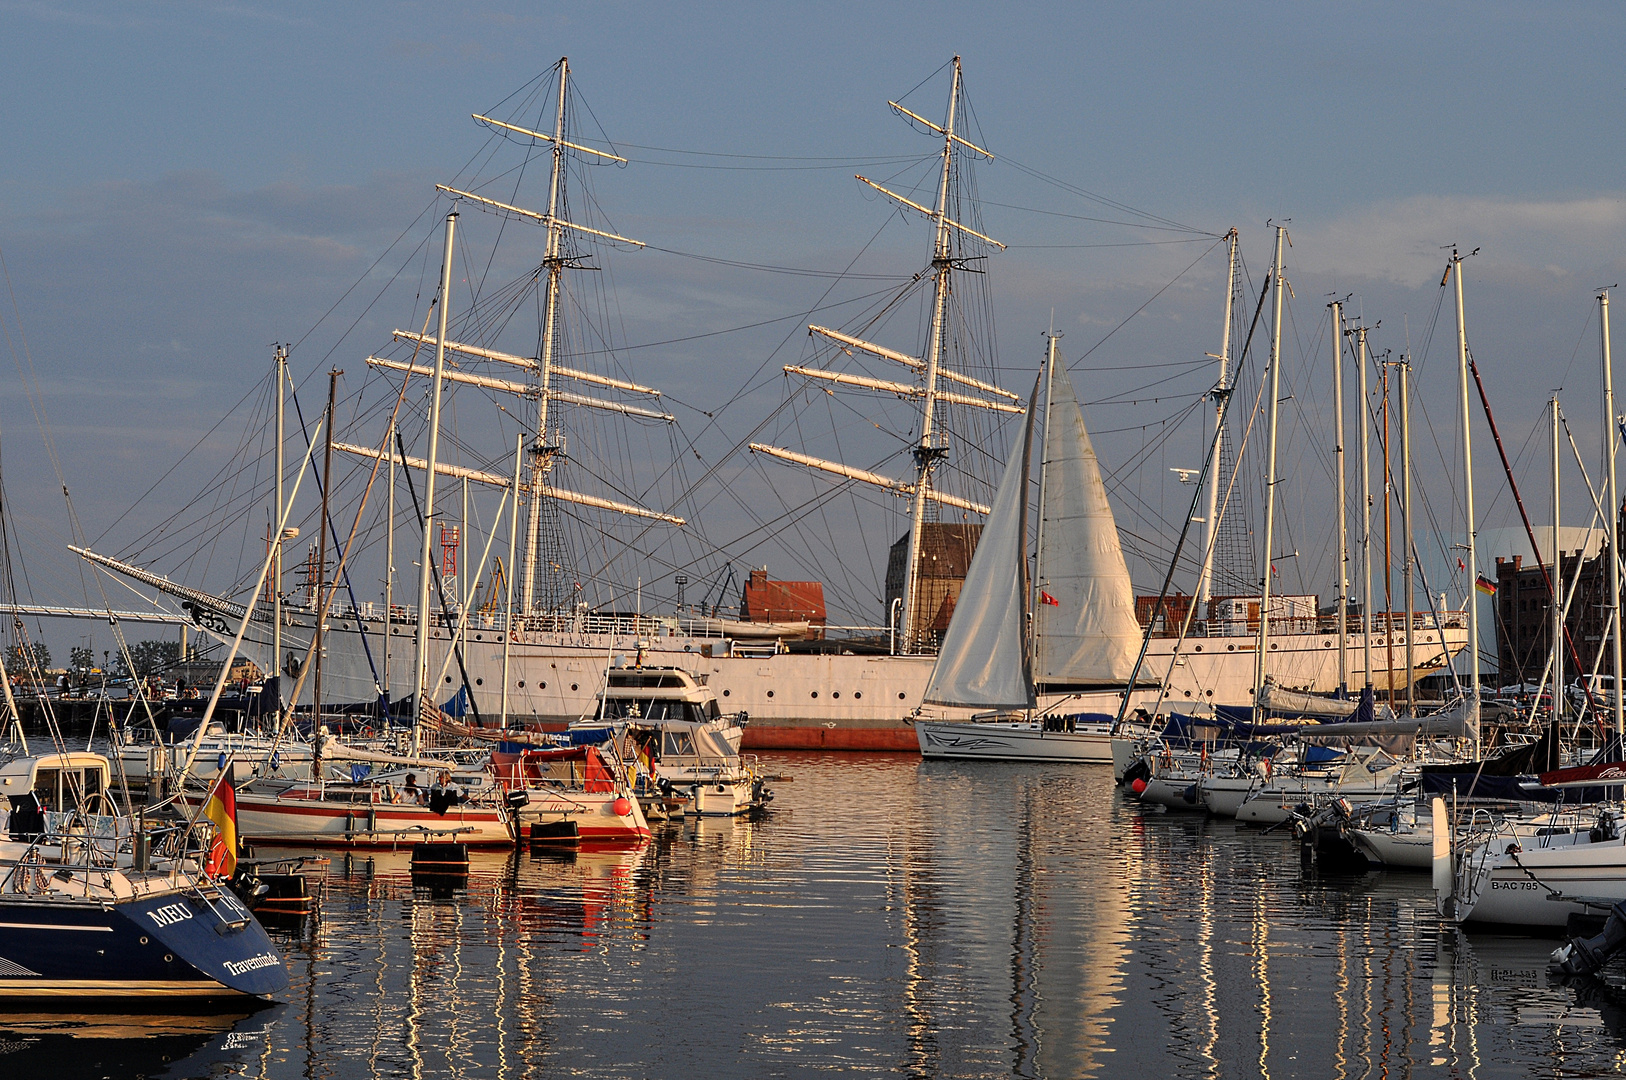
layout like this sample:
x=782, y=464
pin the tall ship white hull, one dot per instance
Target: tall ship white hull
x=795, y=700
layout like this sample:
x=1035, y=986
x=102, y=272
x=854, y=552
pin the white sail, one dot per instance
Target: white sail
x=1086, y=639
x=983, y=661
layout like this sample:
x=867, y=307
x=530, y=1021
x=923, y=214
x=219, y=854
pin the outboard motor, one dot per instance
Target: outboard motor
x=1583, y=956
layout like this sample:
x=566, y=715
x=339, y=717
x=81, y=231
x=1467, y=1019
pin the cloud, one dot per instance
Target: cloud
x=1403, y=241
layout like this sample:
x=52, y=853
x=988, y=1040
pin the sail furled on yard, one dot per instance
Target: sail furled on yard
x=984, y=659
x=1085, y=632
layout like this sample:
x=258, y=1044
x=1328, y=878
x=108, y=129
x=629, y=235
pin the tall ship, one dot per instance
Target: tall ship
x=525, y=642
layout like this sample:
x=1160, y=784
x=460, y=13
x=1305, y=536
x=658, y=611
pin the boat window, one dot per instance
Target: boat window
x=712, y=711
x=677, y=743
x=46, y=783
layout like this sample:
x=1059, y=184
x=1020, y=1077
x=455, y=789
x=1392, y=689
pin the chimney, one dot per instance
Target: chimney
x=1518, y=561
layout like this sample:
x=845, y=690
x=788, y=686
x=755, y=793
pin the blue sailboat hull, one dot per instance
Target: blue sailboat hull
x=172, y=944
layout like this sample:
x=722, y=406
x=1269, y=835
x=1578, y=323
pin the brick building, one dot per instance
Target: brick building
x=1524, y=619
x=945, y=555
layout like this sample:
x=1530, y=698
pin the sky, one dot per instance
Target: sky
x=187, y=183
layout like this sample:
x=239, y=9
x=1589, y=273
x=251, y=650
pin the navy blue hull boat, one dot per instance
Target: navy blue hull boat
x=163, y=942
x=97, y=906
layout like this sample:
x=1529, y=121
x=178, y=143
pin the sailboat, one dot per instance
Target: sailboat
x=1080, y=606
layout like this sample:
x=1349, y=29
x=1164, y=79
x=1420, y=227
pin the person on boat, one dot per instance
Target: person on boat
x=410, y=792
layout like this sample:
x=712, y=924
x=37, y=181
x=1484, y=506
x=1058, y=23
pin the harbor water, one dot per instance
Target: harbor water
x=888, y=916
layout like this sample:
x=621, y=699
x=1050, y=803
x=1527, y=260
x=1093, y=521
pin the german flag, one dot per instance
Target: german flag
x=222, y=810
x=1485, y=585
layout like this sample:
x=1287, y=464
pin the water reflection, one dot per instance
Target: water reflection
x=934, y=919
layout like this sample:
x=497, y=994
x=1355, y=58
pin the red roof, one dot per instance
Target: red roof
x=782, y=601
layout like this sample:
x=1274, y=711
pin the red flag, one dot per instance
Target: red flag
x=1046, y=598
x=1461, y=565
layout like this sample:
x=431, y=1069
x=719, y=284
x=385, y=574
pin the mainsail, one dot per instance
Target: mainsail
x=1084, y=629
x=983, y=662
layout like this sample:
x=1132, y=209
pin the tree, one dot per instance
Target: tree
x=154, y=657
x=15, y=664
x=81, y=658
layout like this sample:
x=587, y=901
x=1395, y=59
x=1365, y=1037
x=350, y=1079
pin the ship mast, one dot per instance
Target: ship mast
x=1468, y=489
x=1278, y=282
x=281, y=364
x=544, y=451
x=1337, y=320
x=932, y=446
x=1366, y=508
x=1609, y=437
x=1222, y=390
x=420, y=668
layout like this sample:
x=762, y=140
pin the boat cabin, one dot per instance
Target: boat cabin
x=60, y=782
x=657, y=694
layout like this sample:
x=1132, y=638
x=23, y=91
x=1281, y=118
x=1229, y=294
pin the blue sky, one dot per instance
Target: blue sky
x=187, y=182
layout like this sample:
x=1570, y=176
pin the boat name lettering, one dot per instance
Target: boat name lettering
x=170, y=914
x=253, y=963
x=1529, y=885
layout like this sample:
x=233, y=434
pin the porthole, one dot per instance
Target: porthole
x=169, y=958
x=143, y=941
x=479, y=682
x=770, y=693
x=539, y=686
x=1188, y=693
x=900, y=697
x=857, y=694
x=573, y=686
x=448, y=678
x=1199, y=648
x=727, y=692
x=477, y=637
x=835, y=693
x=522, y=684
x=1210, y=693
x=688, y=648
x=1273, y=646
x=814, y=694
x=1230, y=648
x=1326, y=644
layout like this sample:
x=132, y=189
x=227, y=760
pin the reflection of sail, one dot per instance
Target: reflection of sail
x=1083, y=934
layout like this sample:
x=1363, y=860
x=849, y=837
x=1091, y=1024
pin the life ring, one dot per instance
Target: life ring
x=366, y=732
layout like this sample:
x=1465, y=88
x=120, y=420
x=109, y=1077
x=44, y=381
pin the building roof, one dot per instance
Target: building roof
x=782, y=601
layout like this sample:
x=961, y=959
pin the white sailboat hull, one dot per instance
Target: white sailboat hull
x=1518, y=891
x=1021, y=741
x=1223, y=796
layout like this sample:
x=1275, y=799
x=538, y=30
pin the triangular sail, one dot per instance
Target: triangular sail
x=1085, y=633
x=983, y=661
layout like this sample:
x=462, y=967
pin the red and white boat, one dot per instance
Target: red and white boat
x=570, y=794
x=363, y=816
